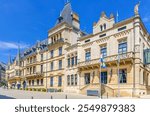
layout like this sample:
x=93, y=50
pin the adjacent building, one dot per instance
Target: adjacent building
x=2, y=71
x=69, y=59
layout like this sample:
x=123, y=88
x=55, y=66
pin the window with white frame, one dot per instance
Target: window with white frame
x=122, y=47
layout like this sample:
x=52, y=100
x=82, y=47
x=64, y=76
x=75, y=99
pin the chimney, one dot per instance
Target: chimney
x=75, y=20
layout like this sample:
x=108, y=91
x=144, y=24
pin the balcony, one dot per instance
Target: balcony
x=14, y=77
x=33, y=62
x=59, y=41
x=125, y=57
x=35, y=75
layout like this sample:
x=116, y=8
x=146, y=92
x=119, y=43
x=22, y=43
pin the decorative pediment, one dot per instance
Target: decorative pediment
x=104, y=23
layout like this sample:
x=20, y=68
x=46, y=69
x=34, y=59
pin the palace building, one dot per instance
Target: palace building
x=69, y=59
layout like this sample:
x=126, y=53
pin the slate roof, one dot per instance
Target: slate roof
x=65, y=15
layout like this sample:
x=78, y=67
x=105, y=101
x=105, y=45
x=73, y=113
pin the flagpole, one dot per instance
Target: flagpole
x=117, y=20
x=100, y=83
x=118, y=75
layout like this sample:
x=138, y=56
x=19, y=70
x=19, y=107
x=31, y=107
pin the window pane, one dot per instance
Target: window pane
x=87, y=78
x=88, y=56
x=76, y=80
x=51, y=81
x=123, y=75
x=60, y=64
x=104, y=52
x=52, y=66
x=52, y=53
x=68, y=62
x=72, y=61
x=68, y=80
x=104, y=77
x=122, y=48
x=60, y=81
x=60, y=51
x=72, y=80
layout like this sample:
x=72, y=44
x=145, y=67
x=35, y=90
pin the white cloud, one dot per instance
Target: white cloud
x=12, y=45
x=146, y=19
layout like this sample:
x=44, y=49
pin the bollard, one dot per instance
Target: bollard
x=66, y=97
x=51, y=97
x=32, y=97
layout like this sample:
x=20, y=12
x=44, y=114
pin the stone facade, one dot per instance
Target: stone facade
x=69, y=60
x=2, y=71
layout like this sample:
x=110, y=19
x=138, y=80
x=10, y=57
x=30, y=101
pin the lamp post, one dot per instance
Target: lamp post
x=46, y=69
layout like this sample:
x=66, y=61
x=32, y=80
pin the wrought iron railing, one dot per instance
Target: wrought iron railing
x=107, y=59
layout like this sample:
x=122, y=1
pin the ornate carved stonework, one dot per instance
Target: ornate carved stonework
x=137, y=48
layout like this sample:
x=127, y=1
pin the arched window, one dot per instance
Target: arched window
x=101, y=28
x=104, y=26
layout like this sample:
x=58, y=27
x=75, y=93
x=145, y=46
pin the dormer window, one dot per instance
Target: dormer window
x=103, y=27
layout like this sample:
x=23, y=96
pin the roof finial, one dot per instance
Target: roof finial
x=9, y=59
x=67, y=1
x=18, y=55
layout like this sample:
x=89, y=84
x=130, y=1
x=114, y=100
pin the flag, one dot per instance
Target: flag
x=117, y=17
x=103, y=65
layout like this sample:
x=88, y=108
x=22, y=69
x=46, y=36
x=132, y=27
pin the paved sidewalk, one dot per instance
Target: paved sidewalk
x=20, y=94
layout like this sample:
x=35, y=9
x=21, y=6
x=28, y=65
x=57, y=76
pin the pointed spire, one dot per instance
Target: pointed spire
x=66, y=14
x=9, y=59
x=18, y=55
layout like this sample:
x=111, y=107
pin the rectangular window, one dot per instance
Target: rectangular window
x=86, y=41
x=68, y=80
x=41, y=81
x=60, y=64
x=59, y=81
x=104, y=52
x=34, y=70
x=29, y=82
x=41, y=68
x=122, y=28
x=123, y=75
x=76, y=80
x=122, y=48
x=88, y=56
x=52, y=53
x=60, y=51
x=76, y=60
x=41, y=57
x=32, y=82
x=103, y=35
x=72, y=80
x=72, y=61
x=37, y=81
x=52, y=81
x=87, y=78
x=68, y=62
x=52, y=66
x=104, y=77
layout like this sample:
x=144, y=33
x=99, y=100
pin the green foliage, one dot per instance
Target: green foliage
x=59, y=90
x=43, y=90
x=39, y=89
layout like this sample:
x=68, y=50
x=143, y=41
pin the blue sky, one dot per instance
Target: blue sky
x=26, y=21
